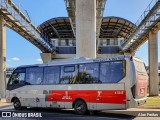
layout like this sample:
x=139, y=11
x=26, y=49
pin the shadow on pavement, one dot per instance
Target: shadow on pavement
x=5, y=106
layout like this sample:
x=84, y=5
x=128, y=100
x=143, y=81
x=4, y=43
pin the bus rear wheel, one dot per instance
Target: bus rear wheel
x=80, y=107
x=17, y=104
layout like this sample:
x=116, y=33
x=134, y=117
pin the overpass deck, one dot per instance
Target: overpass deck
x=149, y=20
x=18, y=22
x=71, y=8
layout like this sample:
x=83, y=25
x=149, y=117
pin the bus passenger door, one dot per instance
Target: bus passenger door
x=34, y=79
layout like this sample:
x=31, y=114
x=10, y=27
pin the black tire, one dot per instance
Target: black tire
x=17, y=104
x=80, y=107
x=96, y=112
x=24, y=108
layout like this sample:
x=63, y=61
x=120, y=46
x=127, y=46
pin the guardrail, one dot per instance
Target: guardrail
x=8, y=8
x=147, y=21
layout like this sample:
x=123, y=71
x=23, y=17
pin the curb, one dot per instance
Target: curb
x=149, y=107
x=2, y=100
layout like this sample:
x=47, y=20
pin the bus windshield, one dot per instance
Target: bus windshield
x=140, y=67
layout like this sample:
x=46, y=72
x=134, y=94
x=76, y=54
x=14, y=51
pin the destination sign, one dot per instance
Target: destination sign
x=109, y=59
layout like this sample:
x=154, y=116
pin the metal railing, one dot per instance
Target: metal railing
x=100, y=6
x=71, y=8
x=146, y=12
x=10, y=10
x=64, y=43
x=146, y=22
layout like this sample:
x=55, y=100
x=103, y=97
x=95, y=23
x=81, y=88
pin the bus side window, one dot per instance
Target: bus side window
x=51, y=75
x=112, y=72
x=105, y=72
x=88, y=73
x=34, y=76
x=68, y=74
x=18, y=77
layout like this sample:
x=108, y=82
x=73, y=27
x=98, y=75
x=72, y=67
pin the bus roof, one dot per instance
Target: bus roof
x=84, y=60
x=137, y=59
x=79, y=60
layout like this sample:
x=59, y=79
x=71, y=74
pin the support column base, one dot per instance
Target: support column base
x=46, y=57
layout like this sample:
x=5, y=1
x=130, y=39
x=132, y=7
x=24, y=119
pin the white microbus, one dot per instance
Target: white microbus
x=80, y=83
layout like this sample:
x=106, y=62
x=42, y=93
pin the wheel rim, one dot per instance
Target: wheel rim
x=17, y=104
x=80, y=108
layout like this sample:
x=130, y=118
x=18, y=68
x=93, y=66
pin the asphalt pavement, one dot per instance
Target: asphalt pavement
x=68, y=114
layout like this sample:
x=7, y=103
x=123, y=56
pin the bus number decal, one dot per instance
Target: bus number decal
x=119, y=92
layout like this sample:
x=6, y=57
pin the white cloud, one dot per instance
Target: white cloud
x=39, y=60
x=8, y=65
x=8, y=60
x=16, y=59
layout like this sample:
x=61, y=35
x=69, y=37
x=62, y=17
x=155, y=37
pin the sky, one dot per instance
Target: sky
x=22, y=52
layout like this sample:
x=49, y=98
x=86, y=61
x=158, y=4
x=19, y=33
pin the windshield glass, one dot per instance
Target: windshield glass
x=140, y=67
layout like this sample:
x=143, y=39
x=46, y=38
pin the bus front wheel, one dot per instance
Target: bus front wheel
x=17, y=104
x=80, y=107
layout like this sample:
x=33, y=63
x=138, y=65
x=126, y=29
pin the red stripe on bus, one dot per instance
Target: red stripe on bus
x=89, y=96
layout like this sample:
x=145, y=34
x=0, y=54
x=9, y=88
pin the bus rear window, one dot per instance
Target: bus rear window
x=140, y=67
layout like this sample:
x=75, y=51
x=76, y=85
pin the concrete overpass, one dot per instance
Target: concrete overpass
x=112, y=32
x=89, y=31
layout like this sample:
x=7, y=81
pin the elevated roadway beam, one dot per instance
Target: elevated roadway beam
x=17, y=21
x=13, y=18
x=149, y=21
x=71, y=9
x=148, y=27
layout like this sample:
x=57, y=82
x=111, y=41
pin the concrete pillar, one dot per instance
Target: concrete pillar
x=86, y=28
x=153, y=64
x=46, y=57
x=2, y=57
